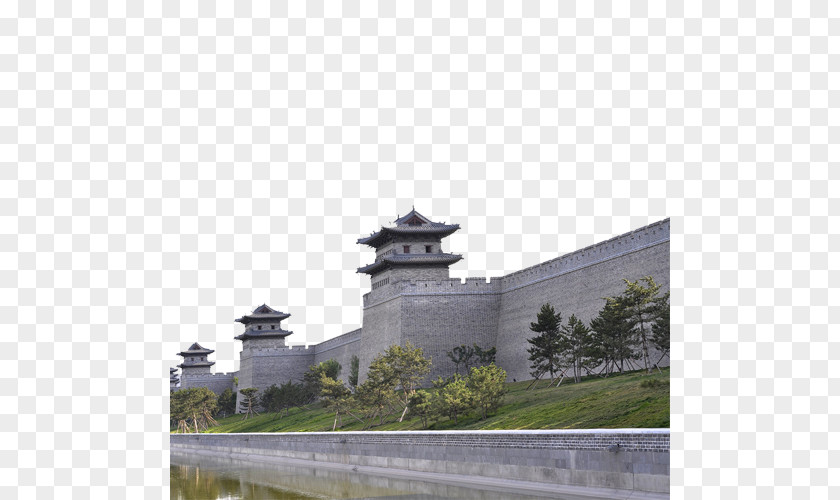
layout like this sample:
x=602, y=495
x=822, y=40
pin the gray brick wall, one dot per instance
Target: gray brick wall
x=447, y=314
x=216, y=382
x=341, y=349
x=579, y=292
x=579, y=458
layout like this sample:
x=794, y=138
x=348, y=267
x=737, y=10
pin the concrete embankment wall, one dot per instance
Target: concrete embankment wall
x=574, y=458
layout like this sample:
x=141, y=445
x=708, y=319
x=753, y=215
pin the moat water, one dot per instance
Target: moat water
x=194, y=477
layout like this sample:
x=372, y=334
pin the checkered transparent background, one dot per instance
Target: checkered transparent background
x=167, y=166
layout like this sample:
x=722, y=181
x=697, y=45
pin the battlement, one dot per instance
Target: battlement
x=652, y=234
x=229, y=375
x=450, y=286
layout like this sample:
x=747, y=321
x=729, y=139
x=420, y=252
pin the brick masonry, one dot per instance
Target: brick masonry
x=438, y=313
x=578, y=458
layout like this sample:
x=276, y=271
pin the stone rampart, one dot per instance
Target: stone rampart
x=622, y=459
x=216, y=382
x=341, y=349
x=575, y=286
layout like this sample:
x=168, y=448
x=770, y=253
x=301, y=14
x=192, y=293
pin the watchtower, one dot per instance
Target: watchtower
x=195, y=361
x=265, y=358
x=409, y=250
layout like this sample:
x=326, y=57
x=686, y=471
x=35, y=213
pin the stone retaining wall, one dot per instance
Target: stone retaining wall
x=576, y=458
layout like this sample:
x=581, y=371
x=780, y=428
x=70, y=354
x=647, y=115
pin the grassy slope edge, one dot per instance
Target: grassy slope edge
x=618, y=401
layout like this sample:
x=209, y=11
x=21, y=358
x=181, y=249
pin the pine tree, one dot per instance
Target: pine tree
x=638, y=299
x=454, y=397
x=613, y=336
x=249, y=401
x=576, y=345
x=487, y=384
x=353, y=377
x=336, y=397
x=661, y=328
x=544, y=351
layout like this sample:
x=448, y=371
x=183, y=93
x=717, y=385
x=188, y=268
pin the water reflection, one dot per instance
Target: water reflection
x=195, y=477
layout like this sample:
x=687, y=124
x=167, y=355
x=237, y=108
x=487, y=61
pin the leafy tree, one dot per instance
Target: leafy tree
x=576, y=344
x=453, y=397
x=661, y=328
x=193, y=408
x=461, y=355
x=336, y=396
x=227, y=403
x=638, y=299
x=249, y=402
x=353, y=378
x=487, y=385
x=544, y=351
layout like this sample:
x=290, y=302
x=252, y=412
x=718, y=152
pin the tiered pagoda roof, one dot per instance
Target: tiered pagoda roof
x=263, y=314
x=412, y=223
x=173, y=375
x=435, y=259
x=264, y=322
x=196, y=350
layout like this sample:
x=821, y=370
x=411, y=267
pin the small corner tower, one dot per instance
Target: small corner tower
x=195, y=360
x=409, y=250
x=265, y=358
x=173, y=379
x=264, y=323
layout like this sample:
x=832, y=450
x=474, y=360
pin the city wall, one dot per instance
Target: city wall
x=216, y=382
x=440, y=314
x=341, y=349
x=615, y=459
x=576, y=283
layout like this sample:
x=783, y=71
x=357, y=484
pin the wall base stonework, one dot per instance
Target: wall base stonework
x=572, y=458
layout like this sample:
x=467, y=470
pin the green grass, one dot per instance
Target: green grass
x=619, y=401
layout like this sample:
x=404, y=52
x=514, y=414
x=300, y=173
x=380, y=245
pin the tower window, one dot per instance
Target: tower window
x=406, y=248
x=428, y=248
x=259, y=327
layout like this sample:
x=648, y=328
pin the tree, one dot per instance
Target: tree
x=485, y=356
x=422, y=405
x=270, y=400
x=576, y=344
x=227, y=403
x=638, y=299
x=613, y=335
x=337, y=397
x=487, y=385
x=353, y=378
x=312, y=378
x=375, y=395
x=453, y=397
x=194, y=408
x=249, y=402
x=462, y=354
x=544, y=351
x=661, y=328
x=409, y=368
